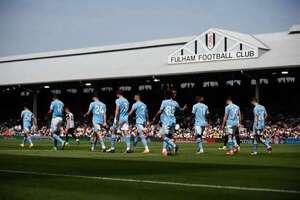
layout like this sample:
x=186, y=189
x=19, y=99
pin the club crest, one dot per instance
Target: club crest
x=210, y=39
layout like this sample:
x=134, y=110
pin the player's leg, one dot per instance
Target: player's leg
x=199, y=131
x=127, y=139
x=72, y=132
x=24, y=138
x=93, y=141
x=255, y=144
x=113, y=139
x=94, y=137
x=67, y=136
x=235, y=135
x=164, y=131
x=230, y=143
x=58, y=138
x=59, y=125
x=52, y=131
x=55, y=130
x=168, y=146
x=169, y=139
x=264, y=140
x=29, y=140
x=53, y=135
x=54, y=144
x=126, y=136
x=136, y=139
x=225, y=142
x=141, y=134
x=101, y=139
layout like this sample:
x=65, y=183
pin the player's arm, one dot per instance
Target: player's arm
x=131, y=111
x=161, y=109
x=157, y=114
x=117, y=111
x=22, y=114
x=105, y=118
x=224, y=120
x=207, y=116
x=147, y=116
x=50, y=109
x=183, y=108
x=266, y=114
x=240, y=117
x=255, y=120
x=193, y=113
x=34, y=120
x=89, y=111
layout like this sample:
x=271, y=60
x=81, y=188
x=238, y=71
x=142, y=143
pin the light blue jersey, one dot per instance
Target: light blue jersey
x=98, y=109
x=260, y=112
x=232, y=111
x=141, y=112
x=200, y=110
x=168, y=108
x=57, y=107
x=27, y=117
x=123, y=109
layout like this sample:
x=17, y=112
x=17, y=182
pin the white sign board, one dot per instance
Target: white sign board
x=213, y=46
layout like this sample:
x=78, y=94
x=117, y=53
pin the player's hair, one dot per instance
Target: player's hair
x=26, y=105
x=120, y=92
x=254, y=99
x=96, y=94
x=55, y=96
x=199, y=99
x=229, y=98
x=170, y=93
x=139, y=95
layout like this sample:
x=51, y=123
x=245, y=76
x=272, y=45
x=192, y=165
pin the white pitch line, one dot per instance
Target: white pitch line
x=153, y=182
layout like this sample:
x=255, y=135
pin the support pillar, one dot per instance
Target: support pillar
x=34, y=104
x=257, y=85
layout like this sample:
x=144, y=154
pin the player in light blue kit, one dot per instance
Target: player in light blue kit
x=99, y=122
x=260, y=114
x=232, y=120
x=201, y=112
x=141, y=119
x=29, y=123
x=121, y=122
x=168, y=120
x=56, y=108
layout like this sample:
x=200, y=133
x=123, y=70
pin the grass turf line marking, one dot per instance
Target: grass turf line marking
x=153, y=182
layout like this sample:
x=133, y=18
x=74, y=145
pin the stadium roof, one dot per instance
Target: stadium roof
x=145, y=59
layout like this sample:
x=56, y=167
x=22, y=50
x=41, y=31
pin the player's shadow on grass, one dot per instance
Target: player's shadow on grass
x=121, y=168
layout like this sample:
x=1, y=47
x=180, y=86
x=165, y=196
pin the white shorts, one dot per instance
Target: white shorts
x=231, y=130
x=140, y=128
x=97, y=127
x=166, y=130
x=55, y=124
x=27, y=129
x=123, y=126
x=199, y=130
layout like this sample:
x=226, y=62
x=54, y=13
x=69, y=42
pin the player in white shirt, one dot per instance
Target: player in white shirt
x=70, y=125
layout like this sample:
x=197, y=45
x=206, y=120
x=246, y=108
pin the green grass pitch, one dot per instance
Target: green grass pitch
x=280, y=170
